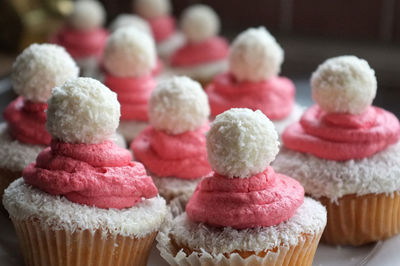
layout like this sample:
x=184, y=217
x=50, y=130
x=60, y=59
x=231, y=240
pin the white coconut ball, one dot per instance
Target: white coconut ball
x=152, y=8
x=87, y=15
x=255, y=55
x=128, y=20
x=129, y=52
x=83, y=110
x=344, y=84
x=39, y=68
x=177, y=105
x=241, y=143
x=199, y=23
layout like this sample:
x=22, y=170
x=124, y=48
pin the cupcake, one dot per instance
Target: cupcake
x=83, y=36
x=84, y=201
x=128, y=20
x=204, y=54
x=35, y=72
x=252, y=80
x=245, y=213
x=129, y=58
x=173, y=147
x=346, y=153
x=163, y=25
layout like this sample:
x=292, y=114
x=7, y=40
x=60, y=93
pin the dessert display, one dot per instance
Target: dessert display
x=204, y=54
x=129, y=58
x=252, y=80
x=83, y=36
x=38, y=69
x=173, y=147
x=163, y=25
x=245, y=213
x=84, y=201
x=346, y=154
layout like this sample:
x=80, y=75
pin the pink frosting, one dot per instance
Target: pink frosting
x=274, y=97
x=27, y=121
x=265, y=199
x=101, y=175
x=162, y=27
x=342, y=136
x=213, y=49
x=133, y=95
x=182, y=155
x=81, y=44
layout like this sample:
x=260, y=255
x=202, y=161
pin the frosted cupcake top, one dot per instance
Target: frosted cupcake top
x=36, y=71
x=82, y=163
x=252, y=80
x=174, y=144
x=244, y=192
x=343, y=125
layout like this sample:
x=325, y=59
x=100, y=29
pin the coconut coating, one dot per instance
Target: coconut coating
x=83, y=110
x=255, y=55
x=129, y=52
x=241, y=143
x=87, y=15
x=177, y=105
x=344, y=84
x=39, y=68
x=128, y=20
x=152, y=8
x=199, y=23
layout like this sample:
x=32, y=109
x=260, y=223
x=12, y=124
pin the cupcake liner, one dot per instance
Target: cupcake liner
x=300, y=254
x=357, y=220
x=43, y=246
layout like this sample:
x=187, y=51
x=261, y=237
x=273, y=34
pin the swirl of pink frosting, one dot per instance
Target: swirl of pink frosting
x=342, y=137
x=274, y=97
x=133, y=95
x=213, y=49
x=27, y=121
x=101, y=175
x=182, y=155
x=162, y=27
x=81, y=44
x=265, y=199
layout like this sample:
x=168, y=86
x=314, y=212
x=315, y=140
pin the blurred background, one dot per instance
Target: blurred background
x=309, y=31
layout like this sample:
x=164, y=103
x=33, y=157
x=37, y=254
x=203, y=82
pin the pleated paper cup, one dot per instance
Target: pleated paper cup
x=357, y=220
x=300, y=254
x=44, y=246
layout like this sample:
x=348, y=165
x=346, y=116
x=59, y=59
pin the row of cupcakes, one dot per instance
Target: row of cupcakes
x=84, y=201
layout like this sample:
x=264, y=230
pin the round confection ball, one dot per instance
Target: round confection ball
x=255, y=56
x=87, y=15
x=344, y=84
x=129, y=52
x=177, y=105
x=152, y=8
x=128, y=20
x=199, y=23
x=39, y=68
x=82, y=110
x=241, y=143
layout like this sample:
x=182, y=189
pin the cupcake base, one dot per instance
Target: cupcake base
x=42, y=247
x=357, y=220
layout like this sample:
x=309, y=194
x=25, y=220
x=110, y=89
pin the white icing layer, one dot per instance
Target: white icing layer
x=202, y=72
x=309, y=219
x=15, y=155
x=172, y=187
x=170, y=45
x=333, y=179
x=24, y=202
